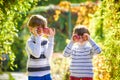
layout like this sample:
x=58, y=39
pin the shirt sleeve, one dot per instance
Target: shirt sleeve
x=49, y=51
x=34, y=48
x=95, y=48
x=68, y=50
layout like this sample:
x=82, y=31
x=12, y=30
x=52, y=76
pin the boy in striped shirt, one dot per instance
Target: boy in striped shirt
x=81, y=49
x=39, y=48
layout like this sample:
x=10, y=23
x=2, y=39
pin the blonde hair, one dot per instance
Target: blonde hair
x=37, y=20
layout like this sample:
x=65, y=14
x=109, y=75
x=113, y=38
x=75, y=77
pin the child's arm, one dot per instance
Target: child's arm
x=68, y=49
x=34, y=48
x=95, y=48
x=49, y=50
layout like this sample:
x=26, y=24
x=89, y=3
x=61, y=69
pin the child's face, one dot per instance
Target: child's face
x=82, y=40
x=33, y=30
x=38, y=30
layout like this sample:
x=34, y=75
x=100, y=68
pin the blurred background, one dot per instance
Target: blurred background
x=102, y=17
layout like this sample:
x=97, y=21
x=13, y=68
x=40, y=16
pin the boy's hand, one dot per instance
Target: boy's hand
x=86, y=36
x=46, y=30
x=52, y=32
x=75, y=38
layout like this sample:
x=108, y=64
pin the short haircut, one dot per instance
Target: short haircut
x=37, y=20
x=80, y=30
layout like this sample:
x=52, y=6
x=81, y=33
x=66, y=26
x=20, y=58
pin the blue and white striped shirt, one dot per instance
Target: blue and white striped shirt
x=81, y=63
x=39, y=52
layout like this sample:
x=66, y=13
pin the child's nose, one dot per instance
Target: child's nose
x=81, y=38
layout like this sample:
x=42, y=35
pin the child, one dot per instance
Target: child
x=39, y=48
x=81, y=53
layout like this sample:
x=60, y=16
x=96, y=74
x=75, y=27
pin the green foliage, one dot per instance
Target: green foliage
x=96, y=25
x=108, y=18
x=11, y=11
x=18, y=47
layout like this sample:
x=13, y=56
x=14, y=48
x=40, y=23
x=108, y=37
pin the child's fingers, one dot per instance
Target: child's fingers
x=86, y=36
x=52, y=31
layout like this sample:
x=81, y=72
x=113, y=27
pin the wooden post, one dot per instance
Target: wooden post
x=69, y=23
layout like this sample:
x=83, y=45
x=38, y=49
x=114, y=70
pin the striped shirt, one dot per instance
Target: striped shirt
x=81, y=63
x=39, y=51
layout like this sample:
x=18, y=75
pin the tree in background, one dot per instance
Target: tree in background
x=11, y=12
x=106, y=25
